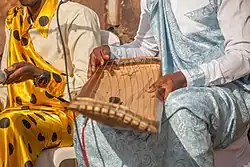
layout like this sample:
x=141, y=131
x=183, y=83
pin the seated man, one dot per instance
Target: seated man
x=35, y=118
x=205, y=52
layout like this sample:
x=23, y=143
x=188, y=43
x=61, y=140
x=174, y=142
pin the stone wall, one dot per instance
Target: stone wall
x=128, y=14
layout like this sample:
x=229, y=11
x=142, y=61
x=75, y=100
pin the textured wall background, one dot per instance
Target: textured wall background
x=4, y=6
x=129, y=11
x=130, y=19
x=128, y=14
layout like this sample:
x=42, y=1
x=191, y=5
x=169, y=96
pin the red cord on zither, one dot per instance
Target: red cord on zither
x=84, y=152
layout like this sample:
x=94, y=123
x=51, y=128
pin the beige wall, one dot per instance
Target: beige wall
x=129, y=14
x=4, y=6
x=129, y=11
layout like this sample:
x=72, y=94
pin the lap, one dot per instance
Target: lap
x=223, y=109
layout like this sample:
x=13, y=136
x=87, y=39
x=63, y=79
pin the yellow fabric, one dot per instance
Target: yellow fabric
x=36, y=118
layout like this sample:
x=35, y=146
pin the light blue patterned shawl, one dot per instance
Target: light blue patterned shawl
x=186, y=52
x=179, y=51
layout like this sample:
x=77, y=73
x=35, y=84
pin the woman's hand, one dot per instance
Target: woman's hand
x=22, y=71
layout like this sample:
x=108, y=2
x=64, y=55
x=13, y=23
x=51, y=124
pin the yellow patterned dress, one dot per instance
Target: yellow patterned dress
x=35, y=118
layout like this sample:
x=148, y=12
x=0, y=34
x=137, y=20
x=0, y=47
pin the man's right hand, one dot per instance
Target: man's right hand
x=97, y=58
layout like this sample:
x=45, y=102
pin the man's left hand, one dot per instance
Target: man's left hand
x=167, y=84
x=22, y=71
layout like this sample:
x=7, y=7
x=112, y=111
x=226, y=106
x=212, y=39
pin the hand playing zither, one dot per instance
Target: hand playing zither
x=167, y=84
x=97, y=58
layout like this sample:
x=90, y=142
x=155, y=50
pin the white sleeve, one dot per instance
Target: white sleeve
x=234, y=21
x=80, y=44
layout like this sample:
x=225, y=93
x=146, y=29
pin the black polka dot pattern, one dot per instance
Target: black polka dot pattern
x=63, y=74
x=54, y=137
x=43, y=21
x=21, y=20
x=69, y=129
x=4, y=123
x=18, y=100
x=57, y=77
x=62, y=100
x=25, y=108
x=48, y=95
x=40, y=116
x=15, y=12
x=26, y=124
x=48, y=114
x=16, y=35
x=28, y=164
x=24, y=57
x=40, y=137
x=33, y=99
x=47, y=105
x=56, y=114
x=11, y=149
x=33, y=62
x=24, y=41
x=30, y=149
x=32, y=119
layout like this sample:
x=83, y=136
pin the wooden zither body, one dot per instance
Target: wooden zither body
x=117, y=94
